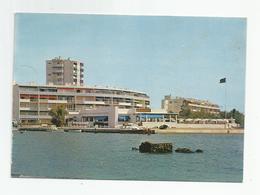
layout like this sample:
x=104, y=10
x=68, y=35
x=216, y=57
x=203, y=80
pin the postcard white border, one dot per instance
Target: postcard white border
x=221, y=8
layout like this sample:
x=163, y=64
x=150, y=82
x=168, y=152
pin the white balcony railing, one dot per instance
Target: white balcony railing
x=58, y=101
x=24, y=100
x=34, y=116
x=124, y=104
x=24, y=108
x=94, y=102
x=73, y=112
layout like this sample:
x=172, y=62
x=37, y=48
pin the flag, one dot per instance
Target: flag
x=223, y=80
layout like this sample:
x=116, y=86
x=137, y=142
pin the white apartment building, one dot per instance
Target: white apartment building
x=64, y=72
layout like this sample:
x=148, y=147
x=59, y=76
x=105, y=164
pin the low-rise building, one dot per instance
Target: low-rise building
x=32, y=103
x=114, y=116
x=194, y=105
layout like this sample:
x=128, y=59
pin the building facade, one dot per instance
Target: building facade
x=64, y=72
x=114, y=116
x=176, y=104
x=32, y=103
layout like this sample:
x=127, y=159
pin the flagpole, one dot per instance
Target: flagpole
x=223, y=80
x=225, y=100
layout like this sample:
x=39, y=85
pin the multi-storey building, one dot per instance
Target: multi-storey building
x=32, y=103
x=176, y=104
x=64, y=72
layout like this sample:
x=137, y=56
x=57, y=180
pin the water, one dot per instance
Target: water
x=110, y=156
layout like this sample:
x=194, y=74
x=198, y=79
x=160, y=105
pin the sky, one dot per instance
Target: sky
x=159, y=55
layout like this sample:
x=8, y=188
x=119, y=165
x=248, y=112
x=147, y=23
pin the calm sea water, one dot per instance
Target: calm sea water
x=110, y=156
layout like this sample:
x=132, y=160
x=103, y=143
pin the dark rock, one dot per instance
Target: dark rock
x=184, y=150
x=134, y=148
x=199, y=151
x=147, y=147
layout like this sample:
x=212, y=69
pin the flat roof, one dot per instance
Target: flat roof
x=81, y=87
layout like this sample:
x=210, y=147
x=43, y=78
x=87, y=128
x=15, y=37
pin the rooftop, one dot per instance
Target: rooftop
x=80, y=87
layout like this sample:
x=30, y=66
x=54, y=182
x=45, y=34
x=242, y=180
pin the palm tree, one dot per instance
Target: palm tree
x=58, y=115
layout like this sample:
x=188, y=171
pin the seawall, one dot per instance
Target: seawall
x=199, y=130
x=188, y=126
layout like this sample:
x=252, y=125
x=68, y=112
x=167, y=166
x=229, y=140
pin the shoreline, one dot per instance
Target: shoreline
x=199, y=131
x=134, y=131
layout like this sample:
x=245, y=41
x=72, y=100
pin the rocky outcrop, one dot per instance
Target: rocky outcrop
x=199, y=151
x=188, y=150
x=134, y=148
x=184, y=150
x=147, y=147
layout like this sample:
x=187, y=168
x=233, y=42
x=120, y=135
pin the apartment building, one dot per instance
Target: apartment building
x=32, y=103
x=176, y=104
x=64, y=72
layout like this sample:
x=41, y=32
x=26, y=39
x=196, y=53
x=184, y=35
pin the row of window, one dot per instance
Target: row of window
x=83, y=90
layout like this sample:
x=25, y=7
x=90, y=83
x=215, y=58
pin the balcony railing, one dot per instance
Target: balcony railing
x=58, y=101
x=124, y=104
x=24, y=100
x=25, y=108
x=94, y=102
x=35, y=116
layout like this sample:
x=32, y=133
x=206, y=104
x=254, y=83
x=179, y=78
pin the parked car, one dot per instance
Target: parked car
x=163, y=126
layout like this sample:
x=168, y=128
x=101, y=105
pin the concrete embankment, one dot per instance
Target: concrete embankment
x=134, y=131
x=88, y=130
x=195, y=130
x=34, y=129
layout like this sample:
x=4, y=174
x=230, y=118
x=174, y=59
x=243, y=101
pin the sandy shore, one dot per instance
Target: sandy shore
x=196, y=130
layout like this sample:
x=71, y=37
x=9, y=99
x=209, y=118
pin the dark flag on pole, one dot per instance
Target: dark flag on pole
x=223, y=80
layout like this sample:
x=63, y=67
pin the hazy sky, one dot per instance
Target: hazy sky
x=181, y=56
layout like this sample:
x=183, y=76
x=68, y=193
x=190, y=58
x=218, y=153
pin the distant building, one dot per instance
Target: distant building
x=64, y=72
x=176, y=104
x=113, y=116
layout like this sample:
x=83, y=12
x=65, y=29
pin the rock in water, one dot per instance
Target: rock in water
x=199, y=151
x=147, y=147
x=184, y=150
x=134, y=148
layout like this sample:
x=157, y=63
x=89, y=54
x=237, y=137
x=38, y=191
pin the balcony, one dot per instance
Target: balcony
x=94, y=102
x=35, y=117
x=58, y=101
x=57, y=71
x=139, y=105
x=25, y=108
x=73, y=112
x=57, y=66
x=24, y=100
x=124, y=104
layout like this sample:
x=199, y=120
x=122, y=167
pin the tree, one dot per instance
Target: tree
x=185, y=112
x=235, y=114
x=239, y=117
x=58, y=115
